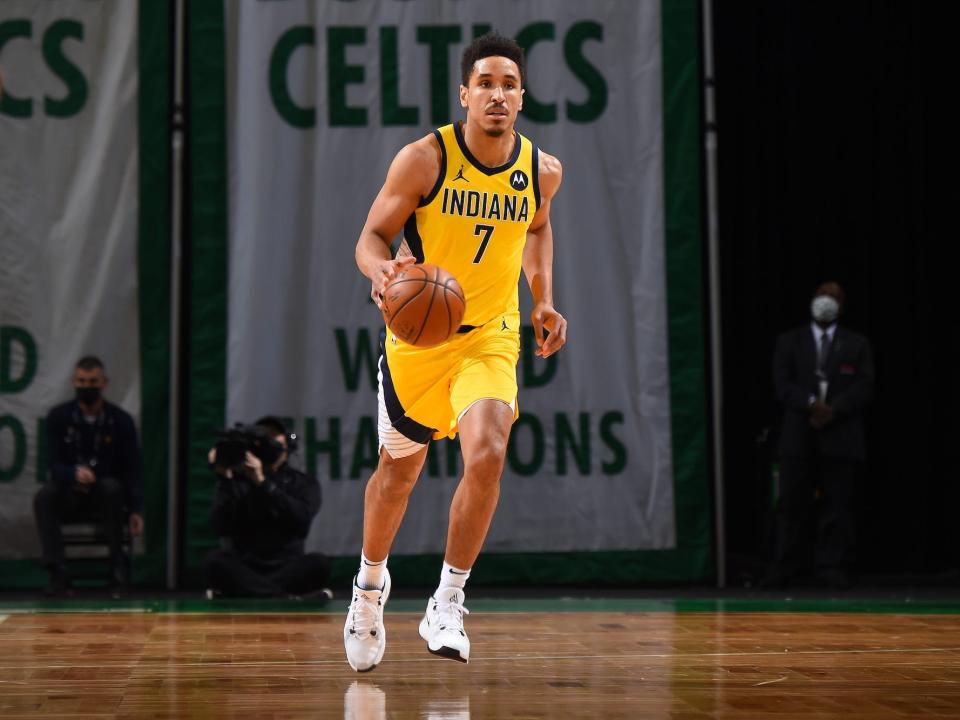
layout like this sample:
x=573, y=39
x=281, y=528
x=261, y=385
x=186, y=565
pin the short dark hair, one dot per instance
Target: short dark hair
x=89, y=362
x=490, y=45
x=272, y=423
x=278, y=426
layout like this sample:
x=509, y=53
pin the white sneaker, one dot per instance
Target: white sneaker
x=442, y=625
x=364, y=636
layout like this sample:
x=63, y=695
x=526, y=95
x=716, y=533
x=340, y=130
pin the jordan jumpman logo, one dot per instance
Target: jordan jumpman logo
x=460, y=176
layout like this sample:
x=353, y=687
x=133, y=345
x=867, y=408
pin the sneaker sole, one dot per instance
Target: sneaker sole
x=372, y=667
x=443, y=651
x=449, y=653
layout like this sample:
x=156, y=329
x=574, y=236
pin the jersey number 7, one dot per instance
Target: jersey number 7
x=487, y=231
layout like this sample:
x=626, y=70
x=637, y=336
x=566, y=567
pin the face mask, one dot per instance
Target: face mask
x=824, y=309
x=88, y=395
x=270, y=453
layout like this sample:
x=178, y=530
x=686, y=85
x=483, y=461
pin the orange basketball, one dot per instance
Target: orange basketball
x=424, y=305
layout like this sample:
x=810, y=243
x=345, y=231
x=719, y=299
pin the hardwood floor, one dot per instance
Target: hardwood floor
x=684, y=666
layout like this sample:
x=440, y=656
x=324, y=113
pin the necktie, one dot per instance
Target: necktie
x=822, y=355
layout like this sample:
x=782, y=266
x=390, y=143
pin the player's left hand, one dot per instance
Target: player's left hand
x=546, y=317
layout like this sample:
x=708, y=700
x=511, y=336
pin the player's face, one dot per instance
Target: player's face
x=494, y=96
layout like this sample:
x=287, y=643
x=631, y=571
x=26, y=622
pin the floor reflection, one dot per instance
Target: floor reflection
x=365, y=700
x=446, y=709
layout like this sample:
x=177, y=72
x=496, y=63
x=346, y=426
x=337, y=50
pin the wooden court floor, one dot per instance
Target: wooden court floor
x=616, y=662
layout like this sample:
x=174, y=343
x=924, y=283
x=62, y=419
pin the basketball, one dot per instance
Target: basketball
x=424, y=305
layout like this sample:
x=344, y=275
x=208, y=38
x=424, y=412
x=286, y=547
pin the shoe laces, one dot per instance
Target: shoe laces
x=365, y=612
x=450, y=614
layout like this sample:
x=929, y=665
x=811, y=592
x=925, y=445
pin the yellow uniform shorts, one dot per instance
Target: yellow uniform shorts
x=423, y=391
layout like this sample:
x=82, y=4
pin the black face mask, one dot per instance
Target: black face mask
x=88, y=395
x=270, y=452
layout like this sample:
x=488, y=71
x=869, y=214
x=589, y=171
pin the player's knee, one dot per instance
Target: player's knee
x=486, y=462
x=394, y=481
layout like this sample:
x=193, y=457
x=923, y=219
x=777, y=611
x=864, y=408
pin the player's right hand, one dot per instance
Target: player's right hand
x=384, y=275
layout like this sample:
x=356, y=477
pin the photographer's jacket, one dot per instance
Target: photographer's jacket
x=107, y=444
x=267, y=520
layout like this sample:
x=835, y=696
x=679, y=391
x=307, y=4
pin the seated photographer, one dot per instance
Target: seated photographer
x=94, y=473
x=264, y=508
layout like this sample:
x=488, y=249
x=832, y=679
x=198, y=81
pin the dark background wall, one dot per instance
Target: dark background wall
x=830, y=168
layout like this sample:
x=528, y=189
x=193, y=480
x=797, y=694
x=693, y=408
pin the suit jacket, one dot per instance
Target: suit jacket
x=849, y=371
x=111, y=441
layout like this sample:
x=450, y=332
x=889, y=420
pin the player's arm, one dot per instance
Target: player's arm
x=538, y=263
x=411, y=176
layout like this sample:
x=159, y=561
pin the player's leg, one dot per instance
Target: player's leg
x=484, y=432
x=409, y=392
x=384, y=505
x=385, y=502
x=483, y=394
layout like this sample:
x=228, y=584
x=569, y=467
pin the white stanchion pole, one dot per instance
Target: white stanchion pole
x=176, y=225
x=713, y=246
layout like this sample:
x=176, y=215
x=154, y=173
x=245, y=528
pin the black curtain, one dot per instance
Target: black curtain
x=830, y=168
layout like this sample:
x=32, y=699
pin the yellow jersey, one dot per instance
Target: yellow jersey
x=474, y=223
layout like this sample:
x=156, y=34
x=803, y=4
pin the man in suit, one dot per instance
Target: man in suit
x=823, y=374
x=94, y=471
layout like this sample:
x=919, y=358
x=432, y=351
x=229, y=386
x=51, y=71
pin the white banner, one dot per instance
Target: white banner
x=68, y=225
x=320, y=98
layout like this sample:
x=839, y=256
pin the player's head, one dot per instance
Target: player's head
x=491, y=88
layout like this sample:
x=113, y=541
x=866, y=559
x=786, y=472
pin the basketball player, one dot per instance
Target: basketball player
x=473, y=198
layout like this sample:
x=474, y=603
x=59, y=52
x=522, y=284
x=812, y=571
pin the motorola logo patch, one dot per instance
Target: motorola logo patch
x=518, y=180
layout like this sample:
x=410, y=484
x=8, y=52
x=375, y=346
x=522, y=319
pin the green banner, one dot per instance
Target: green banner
x=302, y=107
x=85, y=232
